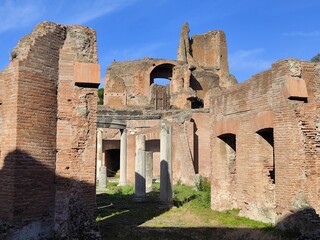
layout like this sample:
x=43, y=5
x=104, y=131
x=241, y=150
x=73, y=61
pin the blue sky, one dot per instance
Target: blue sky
x=259, y=32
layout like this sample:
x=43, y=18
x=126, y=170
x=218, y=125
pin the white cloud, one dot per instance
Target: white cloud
x=81, y=11
x=243, y=60
x=22, y=13
x=302, y=34
x=15, y=13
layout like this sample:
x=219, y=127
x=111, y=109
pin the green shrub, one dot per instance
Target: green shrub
x=112, y=185
x=156, y=186
x=203, y=198
x=100, y=96
x=127, y=190
x=182, y=194
x=203, y=184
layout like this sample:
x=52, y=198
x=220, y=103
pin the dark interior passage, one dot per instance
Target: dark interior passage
x=230, y=140
x=112, y=162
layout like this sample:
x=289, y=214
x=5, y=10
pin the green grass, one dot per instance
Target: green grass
x=199, y=196
x=191, y=218
x=198, y=202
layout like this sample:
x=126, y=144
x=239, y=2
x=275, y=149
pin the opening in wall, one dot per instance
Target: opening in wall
x=229, y=150
x=196, y=102
x=161, y=81
x=153, y=146
x=267, y=152
x=230, y=140
x=228, y=159
x=112, y=162
x=163, y=72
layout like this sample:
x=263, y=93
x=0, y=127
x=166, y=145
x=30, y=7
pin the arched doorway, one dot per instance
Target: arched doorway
x=160, y=78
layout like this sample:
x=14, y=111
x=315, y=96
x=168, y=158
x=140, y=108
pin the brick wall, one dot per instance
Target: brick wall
x=36, y=127
x=183, y=168
x=76, y=131
x=250, y=111
x=202, y=144
x=8, y=139
x=128, y=84
x=210, y=50
x=48, y=130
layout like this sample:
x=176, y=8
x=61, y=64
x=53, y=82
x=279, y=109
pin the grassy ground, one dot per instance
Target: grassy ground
x=119, y=217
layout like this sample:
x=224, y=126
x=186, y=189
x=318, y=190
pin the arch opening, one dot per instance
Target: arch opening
x=230, y=140
x=160, y=78
x=162, y=71
x=227, y=154
x=266, y=149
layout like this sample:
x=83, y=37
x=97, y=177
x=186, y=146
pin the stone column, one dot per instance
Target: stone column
x=101, y=165
x=149, y=171
x=165, y=167
x=103, y=176
x=140, y=169
x=123, y=158
x=99, y=151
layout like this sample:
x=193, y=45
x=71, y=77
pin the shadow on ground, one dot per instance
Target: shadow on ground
x=119, y=215
x=122, y=218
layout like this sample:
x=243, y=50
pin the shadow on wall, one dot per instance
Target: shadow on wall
x=196, y=147
x=36, y=203
x=304, y=223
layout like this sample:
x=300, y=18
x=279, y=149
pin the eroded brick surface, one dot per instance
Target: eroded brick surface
x=48, y=137
x=275, y=176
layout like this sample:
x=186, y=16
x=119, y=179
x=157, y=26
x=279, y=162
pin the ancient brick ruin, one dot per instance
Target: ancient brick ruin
x=257, y=141
x=48, y=120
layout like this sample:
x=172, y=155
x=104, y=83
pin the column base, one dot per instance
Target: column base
x=141, y=198
x=165, y=205
x=102, y=178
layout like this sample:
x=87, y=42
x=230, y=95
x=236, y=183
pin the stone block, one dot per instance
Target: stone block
x=86, y=73
x=295, y=88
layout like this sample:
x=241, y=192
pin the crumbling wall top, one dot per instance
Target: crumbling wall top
x=83, y=41
x=22, y=49
x=78, y=38
x=206, y=51
x=184, y=49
